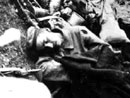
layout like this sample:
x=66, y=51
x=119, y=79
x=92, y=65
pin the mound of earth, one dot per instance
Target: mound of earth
x=12, y=55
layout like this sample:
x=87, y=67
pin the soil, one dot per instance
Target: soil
x=123, y=10
x=12, y=55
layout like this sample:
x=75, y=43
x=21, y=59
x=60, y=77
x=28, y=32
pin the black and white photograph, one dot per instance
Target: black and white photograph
x=64, y=48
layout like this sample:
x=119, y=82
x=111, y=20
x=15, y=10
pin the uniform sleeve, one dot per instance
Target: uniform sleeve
x=90, y=37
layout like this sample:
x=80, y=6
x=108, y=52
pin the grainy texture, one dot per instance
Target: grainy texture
x=11, y=55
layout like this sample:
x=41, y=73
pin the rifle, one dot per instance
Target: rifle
x=17, y=71
x=26, y=12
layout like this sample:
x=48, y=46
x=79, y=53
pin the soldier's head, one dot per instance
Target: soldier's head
x=41, y=38
x=47, y=38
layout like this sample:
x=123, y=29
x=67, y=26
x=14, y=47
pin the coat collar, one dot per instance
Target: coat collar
x=68, y=41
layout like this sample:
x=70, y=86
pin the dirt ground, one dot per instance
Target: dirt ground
x=11, y=55
x=123, y=10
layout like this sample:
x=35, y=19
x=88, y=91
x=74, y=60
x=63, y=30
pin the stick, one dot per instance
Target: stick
x=24, y=12
x=22, y=71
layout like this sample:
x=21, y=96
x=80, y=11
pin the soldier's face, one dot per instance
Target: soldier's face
x=49, y=39
x=54, y=38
